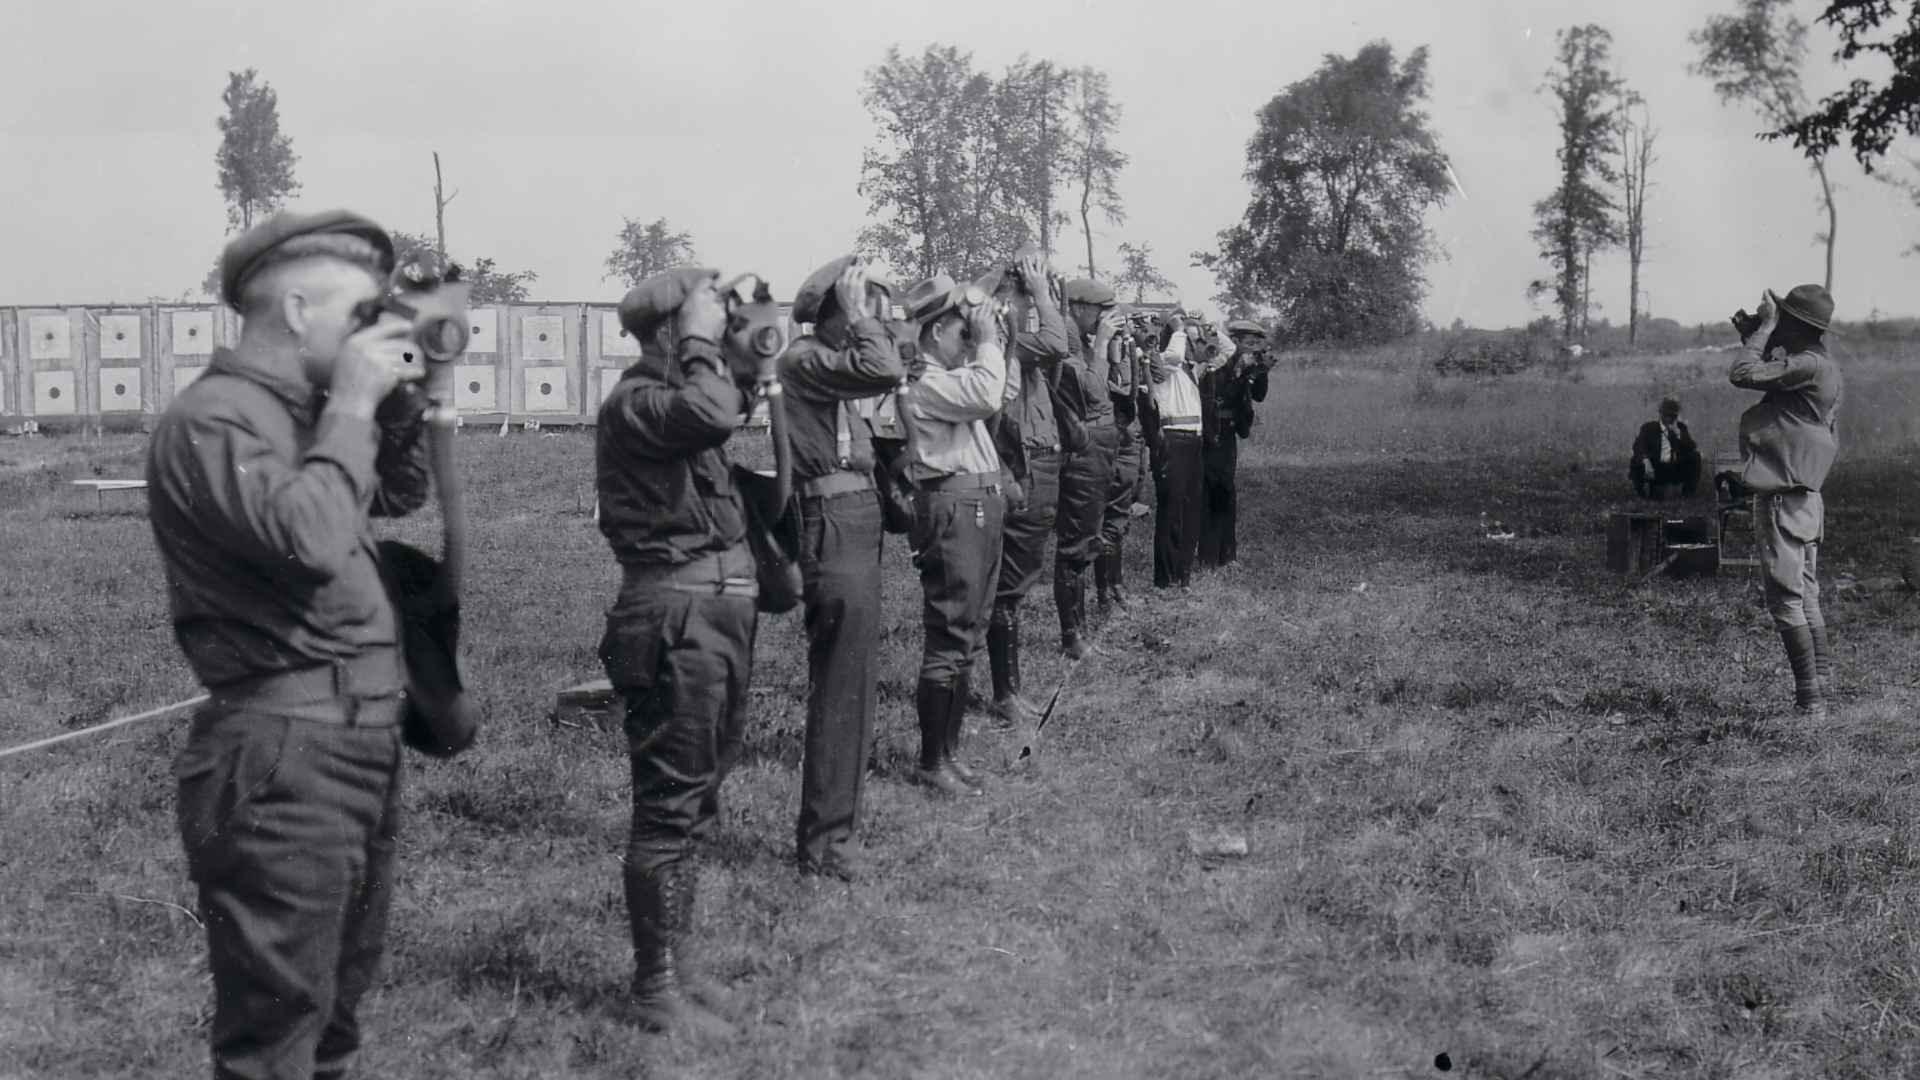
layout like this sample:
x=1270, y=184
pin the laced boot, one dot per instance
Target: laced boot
x=1806, y=674
x=1003, y=661
x=937, y=704
x=1823, y=659
x=659, y=904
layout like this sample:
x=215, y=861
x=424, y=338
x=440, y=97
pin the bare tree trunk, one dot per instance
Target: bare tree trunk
x=439, y=210
x=1086, y=223
x=1833, y=214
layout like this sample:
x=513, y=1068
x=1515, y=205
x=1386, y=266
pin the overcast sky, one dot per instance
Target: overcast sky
x=741, y=123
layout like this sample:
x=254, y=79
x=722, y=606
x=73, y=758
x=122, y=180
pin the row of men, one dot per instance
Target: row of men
x=264, y=474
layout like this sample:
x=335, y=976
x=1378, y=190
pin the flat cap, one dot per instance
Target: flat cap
x=1089, y=291
x=1246, y=326
x=651, y=301
x=247, y=253
x=933, y=298
x=819, y=285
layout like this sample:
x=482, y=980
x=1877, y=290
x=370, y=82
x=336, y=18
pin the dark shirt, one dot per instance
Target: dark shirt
x=1037, y=353
x=666, y=489
x=821, y=382
x=1085, y=381
x=260, y=503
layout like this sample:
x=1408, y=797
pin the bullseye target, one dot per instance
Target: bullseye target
x=183, y=377
x=543, y=337
x=48, y=337
x=193, y=333
x=473, y=388
x=53, y=393
x=546, y=389
x=614, y=339
x=119, y=337
x=120, y=389
x=483, y=327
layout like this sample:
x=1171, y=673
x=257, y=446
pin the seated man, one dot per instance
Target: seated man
x=1665, y=457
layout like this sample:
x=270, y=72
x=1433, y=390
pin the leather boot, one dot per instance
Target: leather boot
x=1823, y=659
x=956, y=727
x=1806, y=675
x=1003, y=659
x=1100, y=581
x=937, y=704
x=1119, y=599
x=659, y=907
x=1068, y=599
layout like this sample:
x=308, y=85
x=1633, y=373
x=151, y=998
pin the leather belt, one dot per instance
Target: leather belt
x=1173, y=423
x=835, y=483
x=355, y=691
x=961, y=482
x=716, y=573
x=1180, y=430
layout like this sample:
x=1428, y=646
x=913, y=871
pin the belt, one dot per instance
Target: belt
x=355, y=691
x=961, y=482
x=1054, y=449
x=1180, y=429
x=717, y=573
x=835, y=483
x=1174, y=423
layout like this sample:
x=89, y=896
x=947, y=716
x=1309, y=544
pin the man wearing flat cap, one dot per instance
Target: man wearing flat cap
x=1787, y=444
x=848, y=356
x=959, y=381
x=1126, y=384
x=1228, y=391
x=1086, y=473
x=262, y=476
x=1666, y=460
x=679, y=640
x=1032, y=443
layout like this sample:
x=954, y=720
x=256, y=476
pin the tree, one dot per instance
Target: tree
x=1636, y=157
x=1028, y=138
x=645, y=250
x=1755, y=57
x=254, y=159
x=1138, y=273
x=1871, y=116
x=1578, y=218
x=1092, y=166
x=486, y=283
x=1343, y=167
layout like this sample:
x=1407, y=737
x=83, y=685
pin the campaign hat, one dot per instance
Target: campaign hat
x=1811, y=304
x=252, y=251
x=647, y=304
x=819, y=285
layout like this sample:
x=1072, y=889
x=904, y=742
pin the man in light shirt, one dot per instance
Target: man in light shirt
x=1174, y=424
x=958, y=382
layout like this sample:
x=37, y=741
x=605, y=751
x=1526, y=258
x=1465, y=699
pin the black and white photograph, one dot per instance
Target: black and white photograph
x=1072, y=540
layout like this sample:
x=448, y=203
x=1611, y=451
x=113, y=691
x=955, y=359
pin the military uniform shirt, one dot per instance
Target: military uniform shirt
x=948, y=409
x=826, y=427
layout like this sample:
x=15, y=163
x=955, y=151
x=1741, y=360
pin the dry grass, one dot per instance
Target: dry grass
x=1497, y=804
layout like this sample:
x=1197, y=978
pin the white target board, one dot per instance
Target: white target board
x=47, y=337
x=614, y=339
x=193, y=333
x=609, y=378
x=183, y=377
x=53, y=394
x=546, y=389
x=119, y=337
x=483, y=331
x=120, y=389
x=473, y=388
x=543, y=337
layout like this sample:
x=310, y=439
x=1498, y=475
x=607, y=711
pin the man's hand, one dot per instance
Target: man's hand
x=371, y=363
x=1769, y=315
x=1033, y=275
x=702, y=315
x=850, y=291
x=1110, y=323
x=983, y=320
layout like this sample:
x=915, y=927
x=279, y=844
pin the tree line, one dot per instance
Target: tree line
x=968, y=165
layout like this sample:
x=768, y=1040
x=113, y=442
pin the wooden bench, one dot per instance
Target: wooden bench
x=101, y=487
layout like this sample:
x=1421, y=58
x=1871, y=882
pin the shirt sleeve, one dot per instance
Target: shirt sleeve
x=302, y=518
x=973, y=391
x=1049, y=343
x=871, y=367
x=659, y=421
x=1780, y=371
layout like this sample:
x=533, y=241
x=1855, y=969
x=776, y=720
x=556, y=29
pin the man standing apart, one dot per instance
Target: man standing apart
x=1665, y=456
x=849, y=356
x=679, y=640
x=959, y=381
x=261, y=477
x=1086, y=474
x=1787, y=444
x=1227, y=395
x=1040, y=443
x=1174, y=424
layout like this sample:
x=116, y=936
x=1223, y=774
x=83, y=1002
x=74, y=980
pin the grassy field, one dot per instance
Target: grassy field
x=1497, y=803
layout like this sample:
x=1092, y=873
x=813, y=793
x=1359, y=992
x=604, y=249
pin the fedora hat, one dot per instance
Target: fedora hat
x=933, y=298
